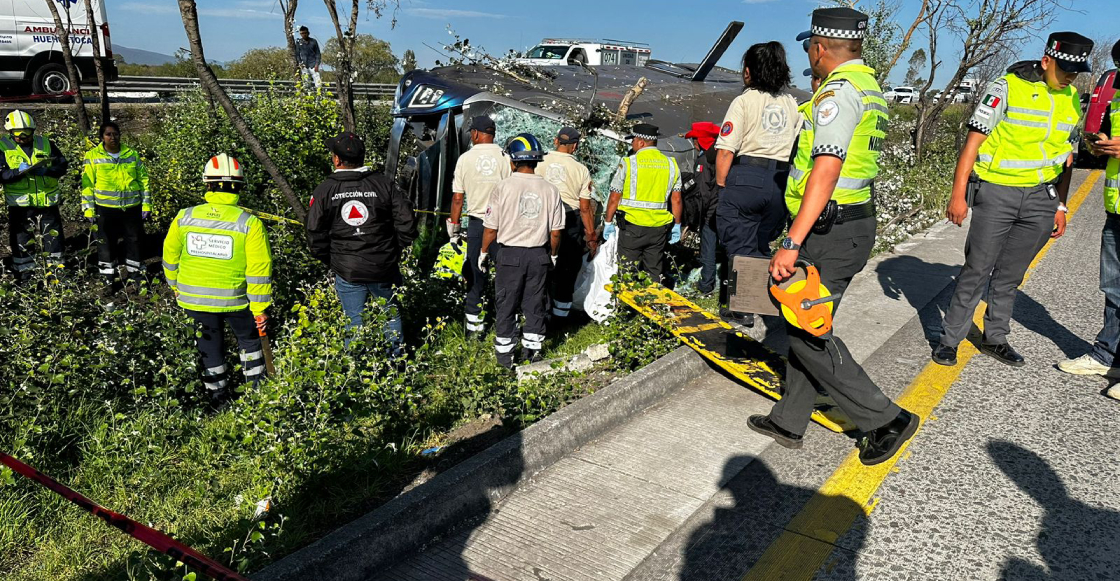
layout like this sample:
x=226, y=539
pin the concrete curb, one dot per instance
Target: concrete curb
x=372, y=543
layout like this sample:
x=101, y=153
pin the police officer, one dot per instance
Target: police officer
x=753, y=158
x=560, y=168
x=703, y=136
x=1019, y=144
x=115, y=196
x=646, y=187
x=836, y=161
x=476, y=173
x=29, y=170
x=217, y=259
x=525, y=218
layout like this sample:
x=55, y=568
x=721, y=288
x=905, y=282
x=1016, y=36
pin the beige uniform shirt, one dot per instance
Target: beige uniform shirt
x=568, y=175
x=760, y=125
x=524, y=209
x=476, y=173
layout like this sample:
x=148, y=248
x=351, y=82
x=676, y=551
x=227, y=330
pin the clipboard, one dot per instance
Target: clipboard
x=36, y=165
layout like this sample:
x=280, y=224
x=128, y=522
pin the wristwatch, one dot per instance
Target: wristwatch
x=789, y=244
x=1063, y=208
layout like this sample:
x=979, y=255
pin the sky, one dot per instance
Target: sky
x=680, y=31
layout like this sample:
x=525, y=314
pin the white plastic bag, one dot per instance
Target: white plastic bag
x=591, y=295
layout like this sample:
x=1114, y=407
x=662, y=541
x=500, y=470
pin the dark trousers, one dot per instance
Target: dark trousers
x=212, y=347
x=119, y=232
x=475, y=278
x=519, y=285
x=568, y=264
x=709, y=243
x=1108, y=340
x=751, y=211
x=24, y=224
x=353, y=297
x=1009, y=227
x=644, y=247
x=826, y=363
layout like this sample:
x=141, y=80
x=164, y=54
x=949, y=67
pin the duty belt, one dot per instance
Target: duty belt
x=852, y=212
x=762, y=162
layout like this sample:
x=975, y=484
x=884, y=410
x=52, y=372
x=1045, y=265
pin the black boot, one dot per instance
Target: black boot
x=531, y=355
x=881, y=444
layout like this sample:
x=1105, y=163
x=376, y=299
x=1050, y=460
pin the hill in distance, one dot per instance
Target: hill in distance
x=136, y=56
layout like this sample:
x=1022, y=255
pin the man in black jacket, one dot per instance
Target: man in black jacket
x=703, y=136
x=359, y=224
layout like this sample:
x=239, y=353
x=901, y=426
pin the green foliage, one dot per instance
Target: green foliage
x=373, y=60
x=271, y=63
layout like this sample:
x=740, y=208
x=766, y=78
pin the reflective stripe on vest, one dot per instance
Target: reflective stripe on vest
x=212, y=277
x=30, y=190
x=240, y=226
x=861, y=165
x=1112, y=169
x=1030, y=145
x=648, y=184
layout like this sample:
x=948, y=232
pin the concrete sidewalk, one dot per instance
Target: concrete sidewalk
x=603, y=510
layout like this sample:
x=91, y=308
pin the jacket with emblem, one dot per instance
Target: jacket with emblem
x=359, y=223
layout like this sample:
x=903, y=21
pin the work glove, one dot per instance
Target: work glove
x=554, y=257
x=262, y=323
x=23, y=165
x=39, y=171
x=676, y=235
x=454, y=230
x=608, y=230
x=482, y=256
x=145, y=215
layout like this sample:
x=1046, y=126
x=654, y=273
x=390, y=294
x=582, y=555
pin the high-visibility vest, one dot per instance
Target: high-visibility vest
x=114, y=182
x=216, y=256
x=1112, y=170
x=648, y=184
x=31, y=190
x=1031, y=145
x=861, y=165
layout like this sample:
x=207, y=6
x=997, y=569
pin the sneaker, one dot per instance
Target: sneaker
x=881, y=444
x=763, y=425
x=1084, y=365
x=1113, y=392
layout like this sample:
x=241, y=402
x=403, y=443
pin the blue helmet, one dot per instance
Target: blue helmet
x=525, y=147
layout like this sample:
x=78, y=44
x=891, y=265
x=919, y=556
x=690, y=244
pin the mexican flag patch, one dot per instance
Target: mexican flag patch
x=991, y=101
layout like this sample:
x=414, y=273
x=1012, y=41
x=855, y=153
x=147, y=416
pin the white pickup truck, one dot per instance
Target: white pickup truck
x=581, y=51
x=901, y=95
x=30, y=53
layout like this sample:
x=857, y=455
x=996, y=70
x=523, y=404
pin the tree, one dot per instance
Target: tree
x=209, y=82
x=344, y=53
x=373, y=60
x=408, y=63
x=914, y=68
x=288, y=7
x=270, y=64
x=63, y=33
x=1100, y=60
x=98, y=66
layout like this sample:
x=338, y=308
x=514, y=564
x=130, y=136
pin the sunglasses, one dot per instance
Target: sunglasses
x=21, y=132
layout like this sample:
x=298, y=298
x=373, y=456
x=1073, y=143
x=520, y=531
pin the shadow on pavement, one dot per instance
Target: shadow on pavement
x=914, y=289
x=1076, y=540
x=734, y=539
x=1033, y=316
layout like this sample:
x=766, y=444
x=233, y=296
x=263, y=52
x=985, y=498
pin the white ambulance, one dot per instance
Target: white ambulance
x=30, y=53
x=577, y=51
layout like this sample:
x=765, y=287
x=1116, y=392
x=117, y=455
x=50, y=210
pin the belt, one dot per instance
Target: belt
x=762, y=162
x=852, y=212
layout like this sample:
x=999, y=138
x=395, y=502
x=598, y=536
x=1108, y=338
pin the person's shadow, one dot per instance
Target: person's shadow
x=1076, y=540
x=735, y=538
x=908, y=278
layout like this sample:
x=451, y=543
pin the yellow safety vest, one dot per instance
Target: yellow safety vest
x=216, y=256
x=1112, y=170
x=31, y=190
x=1031, y=145
x=861, y=165
x=114, y=182
x=647, y=187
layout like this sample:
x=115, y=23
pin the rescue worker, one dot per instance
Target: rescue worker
x=836, y=162
x=525, y=218
x=359, y=224
x=752, y=163
x=115, y=196
x=217, y=259
x=32, y=166
x=1101, y=359
x=1019, y=144
x=703, y=136
x=646, y=187
x=560, y=168
x=476, y=173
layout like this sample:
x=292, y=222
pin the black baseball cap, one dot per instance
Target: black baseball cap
x=568, y=136
x=1071, y=51
x=484, y=124
x=347, y=144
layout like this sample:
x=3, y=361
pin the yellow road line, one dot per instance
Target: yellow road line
x=808, y=540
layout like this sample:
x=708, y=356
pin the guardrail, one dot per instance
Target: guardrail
x=184, y=84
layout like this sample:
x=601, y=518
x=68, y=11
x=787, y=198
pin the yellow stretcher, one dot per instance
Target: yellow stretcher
x=744, y=358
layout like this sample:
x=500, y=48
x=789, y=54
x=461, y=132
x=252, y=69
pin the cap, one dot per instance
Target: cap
x=1071, y=51
x=348, y=144
x=644, y=131
x=568, y=136
x=807, y=72
x=837, y=23
x=705, y=133
x=484, y=124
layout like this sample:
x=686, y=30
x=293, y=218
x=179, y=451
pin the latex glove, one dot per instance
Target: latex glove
x=454, y=230
x=554, y=257
x=262, y=323
x=145, y=215
x=92, y=219
x=23, y=165
x=676, y=235
x=482, y=256
x=608, y=230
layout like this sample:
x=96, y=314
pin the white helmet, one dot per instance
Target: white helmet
x=223, y=168
x=17, y=120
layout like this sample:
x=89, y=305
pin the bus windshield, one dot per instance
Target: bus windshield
x=548, y=52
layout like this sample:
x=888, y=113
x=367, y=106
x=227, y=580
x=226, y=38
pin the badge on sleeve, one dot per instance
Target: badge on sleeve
x=991, y=101
x=827, y=113
x=727, y=128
